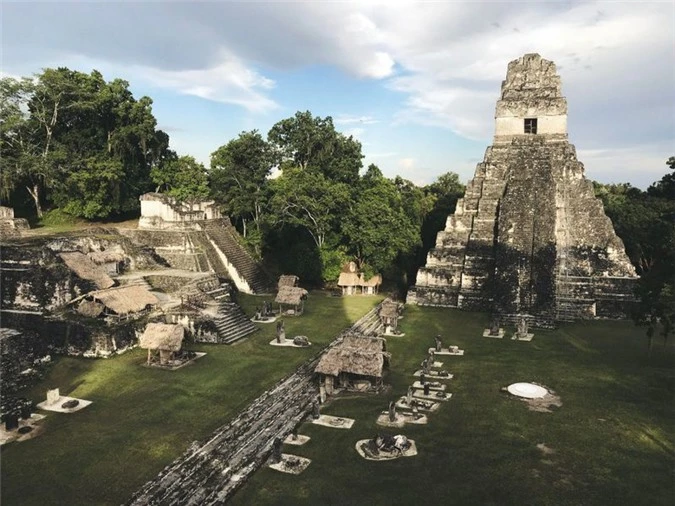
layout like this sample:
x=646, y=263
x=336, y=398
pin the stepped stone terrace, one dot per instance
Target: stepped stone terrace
x=529, y=238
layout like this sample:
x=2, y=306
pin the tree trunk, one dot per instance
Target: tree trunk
x=243, y=222
x=35, y=193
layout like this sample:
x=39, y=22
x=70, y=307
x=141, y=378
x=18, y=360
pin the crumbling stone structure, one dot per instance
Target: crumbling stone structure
x=529, y=237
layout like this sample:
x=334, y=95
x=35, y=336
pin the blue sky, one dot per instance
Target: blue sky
x=415, y=82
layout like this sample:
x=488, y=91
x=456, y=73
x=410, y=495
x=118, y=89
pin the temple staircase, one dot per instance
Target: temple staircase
x=223, y=236
x=232, y=323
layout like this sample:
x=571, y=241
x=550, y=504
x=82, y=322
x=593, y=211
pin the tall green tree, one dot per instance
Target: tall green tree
x=443, y=193
x=383, y=223
x=183, y=178
x=312, y=143
x=309, y=200
x=62, y=123
x=239, y=172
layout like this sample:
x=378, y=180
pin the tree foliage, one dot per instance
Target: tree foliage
x=182, y=178
x=646, y=223
x=312, y=143
x=239, y=172
x=65, y=131
x=309, y=200
x=384, y=221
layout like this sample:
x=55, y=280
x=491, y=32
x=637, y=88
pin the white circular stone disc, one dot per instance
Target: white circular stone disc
x=528, y=390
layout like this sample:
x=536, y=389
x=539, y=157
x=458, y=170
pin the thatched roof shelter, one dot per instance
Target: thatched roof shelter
x=125, y=299
x=359, y=355
x=90, y=308
x=376, y=280
x=162, y=336
x=287, y=280
x=106, y=257
x=349, y=279
x=291, y=295
x=82, y=265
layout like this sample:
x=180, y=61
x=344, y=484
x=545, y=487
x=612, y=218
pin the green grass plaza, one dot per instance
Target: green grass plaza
x=610, y=442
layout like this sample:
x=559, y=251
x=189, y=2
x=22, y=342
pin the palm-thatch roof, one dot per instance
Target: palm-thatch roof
x=162, y=336
x=291, y=295
x=287, y=280
x=125, y=299
x=355, y=355
x=105, y=257
x=388, y=309
x=349, y=279
x=82, y=265
x=90, y=308
x=376, y=280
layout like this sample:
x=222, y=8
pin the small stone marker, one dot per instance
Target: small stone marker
x=53, y=396
x=276, y=450
x=392, y=411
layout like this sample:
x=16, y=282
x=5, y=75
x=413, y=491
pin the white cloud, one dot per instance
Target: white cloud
x=446, y=59
x=230, y=81
x=348, y=119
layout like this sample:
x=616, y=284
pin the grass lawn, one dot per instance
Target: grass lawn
x=142, y=419
x=613, y=437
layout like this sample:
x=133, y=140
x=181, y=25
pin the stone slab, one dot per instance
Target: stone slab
x=300, y=464
x=401, y=419
x=57, y=405
x=287, y=343
x=199, y=354
x=419, y=394
x=7, y=436
x=410, y=452
x=446, y=351
x=429, y=406
x=434, y=375
x=434, y=386
x=269, y=320
x=336, y=422
x=486, y=333
x=299, y=441
x=528, y=337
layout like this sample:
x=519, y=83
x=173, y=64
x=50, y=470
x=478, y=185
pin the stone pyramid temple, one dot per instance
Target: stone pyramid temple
x=529, y=238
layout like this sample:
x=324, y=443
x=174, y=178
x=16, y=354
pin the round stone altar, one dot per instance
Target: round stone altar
x=527, y=390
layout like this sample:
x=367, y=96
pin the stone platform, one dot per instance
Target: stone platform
x=336, y=422
x=401, y=419
x=291, y=464
x=383, y=456
x=56, y=406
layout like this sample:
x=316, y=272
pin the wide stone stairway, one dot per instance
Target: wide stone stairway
x=232, y=323
x=222, y=234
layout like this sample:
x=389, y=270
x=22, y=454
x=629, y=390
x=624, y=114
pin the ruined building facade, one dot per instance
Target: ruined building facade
x=529, y=237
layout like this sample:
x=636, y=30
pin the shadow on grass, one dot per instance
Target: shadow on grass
x=142, y=419
x=610, y=440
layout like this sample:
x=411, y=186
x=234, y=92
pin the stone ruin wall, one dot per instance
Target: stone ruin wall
x=36, y=285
